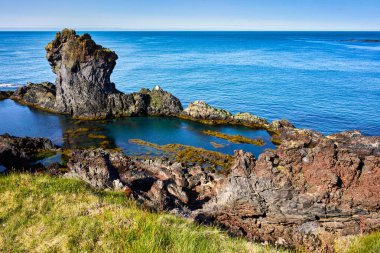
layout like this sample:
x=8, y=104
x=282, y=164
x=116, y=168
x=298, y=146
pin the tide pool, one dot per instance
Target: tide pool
x=21, y=120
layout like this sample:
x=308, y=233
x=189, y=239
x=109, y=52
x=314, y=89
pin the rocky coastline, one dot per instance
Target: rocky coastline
x=310, y=190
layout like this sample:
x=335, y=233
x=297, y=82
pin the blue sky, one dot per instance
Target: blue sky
x=190, y=14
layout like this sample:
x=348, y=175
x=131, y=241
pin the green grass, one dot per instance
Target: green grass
x=45, y=214
x=369, y=243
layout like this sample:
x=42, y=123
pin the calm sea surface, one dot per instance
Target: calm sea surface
x=315, y=79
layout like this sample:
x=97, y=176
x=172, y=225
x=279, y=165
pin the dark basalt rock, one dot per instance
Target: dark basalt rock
x=5, y=94
x=20, y=152
x=96, y=167
x=83, y=88
x=161, y=102
x=146, y=102
x=158, y=184
x=83, y=71
x=40, y=95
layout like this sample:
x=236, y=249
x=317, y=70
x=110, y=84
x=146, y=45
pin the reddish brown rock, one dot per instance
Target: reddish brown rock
x=309, y=191
x=306, y=193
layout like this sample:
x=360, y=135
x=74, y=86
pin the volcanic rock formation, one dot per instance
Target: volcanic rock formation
x=83, y=88
x=83, y=71
x=309, y=191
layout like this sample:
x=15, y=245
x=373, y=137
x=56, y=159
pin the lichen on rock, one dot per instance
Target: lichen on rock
x=40, y=95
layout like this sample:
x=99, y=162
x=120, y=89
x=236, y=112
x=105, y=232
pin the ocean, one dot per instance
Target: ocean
x=327, y=81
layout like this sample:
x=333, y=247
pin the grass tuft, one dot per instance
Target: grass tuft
x=369, y=243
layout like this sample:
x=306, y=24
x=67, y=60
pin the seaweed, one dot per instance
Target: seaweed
x=234, y=138
x=190, y=155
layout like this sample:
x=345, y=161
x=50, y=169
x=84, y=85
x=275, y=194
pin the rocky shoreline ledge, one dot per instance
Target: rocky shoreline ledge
x=310, y=190
x=306, y=193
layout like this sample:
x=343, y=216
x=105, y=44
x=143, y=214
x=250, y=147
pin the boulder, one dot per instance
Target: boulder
x=203, y=111
x=41, y=95
x=249, y=119
x=22, y=152
x=161, y=103
x=98, y=167
x=5, y=94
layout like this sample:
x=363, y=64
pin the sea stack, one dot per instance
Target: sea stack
x=83, y=71
x=83, y=88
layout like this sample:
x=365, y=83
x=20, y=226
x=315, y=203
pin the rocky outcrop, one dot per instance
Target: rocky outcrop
x=306, y=193
x=20, y=152
x=207, y=114
x=247, y=119
x=5, y=94
x=161, y=102
x=41, y=95
x=83, y=71
x=158, y=184
x=146, y=102
x=97, y=167
x=83, y=88
x=203, y=111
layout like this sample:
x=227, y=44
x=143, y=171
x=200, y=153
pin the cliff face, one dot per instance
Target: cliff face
x=83, y=71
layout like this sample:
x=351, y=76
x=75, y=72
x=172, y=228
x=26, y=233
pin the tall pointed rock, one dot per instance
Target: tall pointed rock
x=83, y=71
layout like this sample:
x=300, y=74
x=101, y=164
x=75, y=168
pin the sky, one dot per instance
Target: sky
x=267, y=15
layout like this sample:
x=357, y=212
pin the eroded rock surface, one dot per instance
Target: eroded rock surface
x=203, y=111
x=309, y=191
x=159, y=184
x=19, y=152
x=83, y=71
x=306, y=193
x=5, y=94
x=41, y=95
x=97, y=167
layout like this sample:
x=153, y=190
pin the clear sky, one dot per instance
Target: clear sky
x=190, y=14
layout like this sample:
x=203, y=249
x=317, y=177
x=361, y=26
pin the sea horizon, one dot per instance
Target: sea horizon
x=269, y=74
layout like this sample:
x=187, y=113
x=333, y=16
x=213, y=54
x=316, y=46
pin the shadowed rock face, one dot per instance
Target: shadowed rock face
x=5, y=94
x=83, y=71
x=20, y=152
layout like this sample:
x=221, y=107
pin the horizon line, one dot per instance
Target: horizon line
x=165, y=30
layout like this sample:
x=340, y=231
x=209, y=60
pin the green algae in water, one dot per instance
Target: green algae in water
x=71, y=134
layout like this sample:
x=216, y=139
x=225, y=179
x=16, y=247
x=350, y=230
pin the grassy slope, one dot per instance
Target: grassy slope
x=45, y=214
x=358, y=244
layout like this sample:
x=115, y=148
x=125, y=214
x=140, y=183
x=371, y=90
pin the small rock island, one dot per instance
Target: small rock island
x=83, y=88
x=309, y=190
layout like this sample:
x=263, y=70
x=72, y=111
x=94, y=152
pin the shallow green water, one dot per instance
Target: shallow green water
x=21, y=120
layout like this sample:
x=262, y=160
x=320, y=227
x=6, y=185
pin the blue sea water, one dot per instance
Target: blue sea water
x=317, y=80
x=21, y=120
